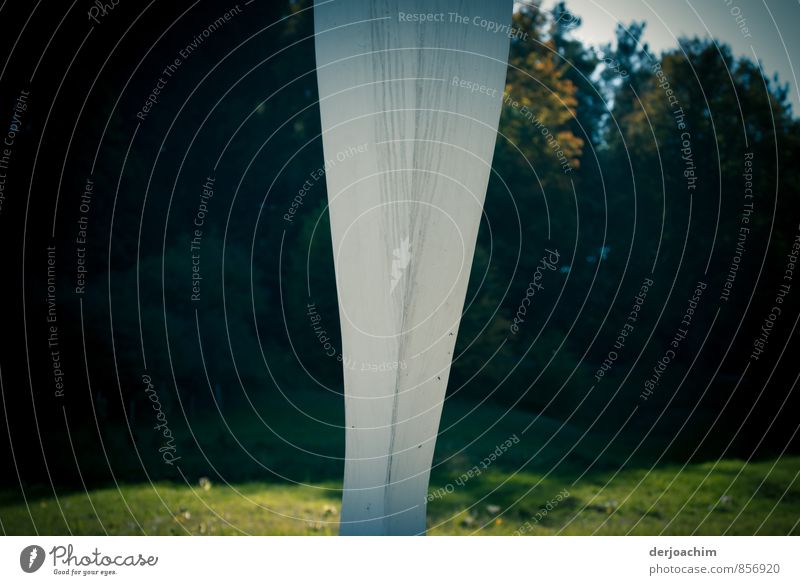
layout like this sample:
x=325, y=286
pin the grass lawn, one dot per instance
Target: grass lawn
x=550, y=482
x=624, y=506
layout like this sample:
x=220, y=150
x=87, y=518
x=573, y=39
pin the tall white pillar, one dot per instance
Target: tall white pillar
x=410, y=97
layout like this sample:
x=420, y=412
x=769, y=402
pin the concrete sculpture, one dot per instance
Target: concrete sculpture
x=410, y=97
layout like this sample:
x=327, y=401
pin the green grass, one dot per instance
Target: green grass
x=666, y=500
x=729, y=496
x=623, y=506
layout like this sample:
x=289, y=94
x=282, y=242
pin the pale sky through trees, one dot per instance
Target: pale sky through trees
x=770, y=26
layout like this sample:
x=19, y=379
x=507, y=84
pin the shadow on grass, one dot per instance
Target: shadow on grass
x=243, y=477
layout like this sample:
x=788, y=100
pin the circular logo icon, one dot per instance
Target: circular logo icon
x=31, y=558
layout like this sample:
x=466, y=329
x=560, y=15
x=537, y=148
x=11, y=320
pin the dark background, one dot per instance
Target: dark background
x=247, y=351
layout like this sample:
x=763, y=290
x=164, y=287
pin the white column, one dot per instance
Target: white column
x=410, y=96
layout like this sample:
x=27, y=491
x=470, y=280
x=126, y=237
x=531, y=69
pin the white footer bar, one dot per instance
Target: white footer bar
x=407, y=561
